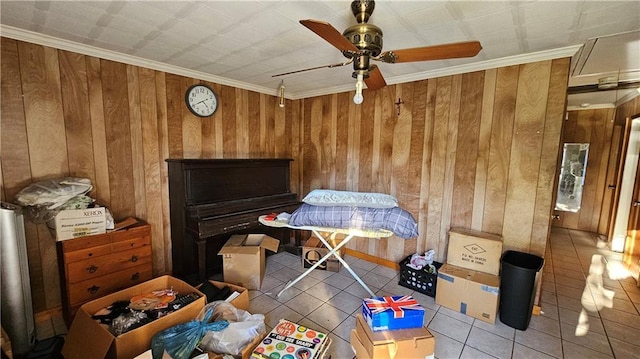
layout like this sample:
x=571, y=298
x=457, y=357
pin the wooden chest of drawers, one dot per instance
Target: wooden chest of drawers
x=93, y=266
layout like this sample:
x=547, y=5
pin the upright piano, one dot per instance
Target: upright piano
x=211, y=199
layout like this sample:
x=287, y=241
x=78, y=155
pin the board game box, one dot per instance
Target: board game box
x=289, y=340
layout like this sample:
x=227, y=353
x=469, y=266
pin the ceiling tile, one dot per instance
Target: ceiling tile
x=251, y=40
x=498, y=21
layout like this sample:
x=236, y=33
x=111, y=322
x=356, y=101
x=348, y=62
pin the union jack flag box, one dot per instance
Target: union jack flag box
x=392, y=312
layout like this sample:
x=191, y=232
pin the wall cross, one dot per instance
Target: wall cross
x=398, y=103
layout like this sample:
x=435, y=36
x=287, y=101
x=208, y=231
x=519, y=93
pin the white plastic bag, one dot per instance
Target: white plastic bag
x=243, y=328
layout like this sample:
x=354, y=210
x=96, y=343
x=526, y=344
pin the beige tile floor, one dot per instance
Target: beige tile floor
x=590, y=307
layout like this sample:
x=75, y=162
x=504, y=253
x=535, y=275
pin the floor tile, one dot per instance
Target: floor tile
x=447, y=348
x=489, y=343
x=346, y=302
x=576, y=351
x=545, y=324
x=328, y=316
x=262, y=304
x=586, y=338
x=339, y=281
x=584, y=320
x=632, y=320
x=498, y=328
x=543, y=342
x=521, y=351
x=281, y=312
x=469, y=352
x=323, y=291
x=624, y=349
x=304, y=303
x=621, y=332
x=451, y=327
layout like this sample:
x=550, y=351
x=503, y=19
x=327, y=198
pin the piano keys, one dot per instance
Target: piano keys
x=211, y=199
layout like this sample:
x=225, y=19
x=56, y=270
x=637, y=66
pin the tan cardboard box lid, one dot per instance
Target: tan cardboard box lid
x=390, y=336
x=249, y=244
x=470, y=274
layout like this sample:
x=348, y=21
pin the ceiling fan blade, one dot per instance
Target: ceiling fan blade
x=375, y=80
x=437, y=52
x=330, y=34
x=315, y=68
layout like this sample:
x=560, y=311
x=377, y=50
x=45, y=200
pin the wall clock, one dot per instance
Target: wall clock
x=201, y=100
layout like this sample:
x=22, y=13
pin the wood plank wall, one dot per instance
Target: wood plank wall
x=67, y=114
x=598, y=128
x=475, y=150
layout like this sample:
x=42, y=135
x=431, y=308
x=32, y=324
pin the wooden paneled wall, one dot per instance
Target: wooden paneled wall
x=597, y=128
x=475, y=150
x=67, y=114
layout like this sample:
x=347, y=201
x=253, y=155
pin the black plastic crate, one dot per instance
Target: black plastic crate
x=419, y=280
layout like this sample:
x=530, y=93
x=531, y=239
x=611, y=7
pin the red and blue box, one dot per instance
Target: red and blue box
x=392, y=312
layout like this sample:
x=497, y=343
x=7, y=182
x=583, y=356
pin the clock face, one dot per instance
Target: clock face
x=201, y=100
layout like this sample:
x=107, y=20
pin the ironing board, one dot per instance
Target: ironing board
x=333, y=251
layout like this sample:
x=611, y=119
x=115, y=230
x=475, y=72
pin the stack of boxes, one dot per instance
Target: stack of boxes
x=391, y=327
x=469, y=281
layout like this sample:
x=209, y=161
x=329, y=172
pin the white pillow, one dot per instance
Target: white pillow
x=327, y=197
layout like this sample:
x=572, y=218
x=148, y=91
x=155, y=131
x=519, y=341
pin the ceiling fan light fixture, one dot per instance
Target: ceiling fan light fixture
x=281, y=94
x=357, y=98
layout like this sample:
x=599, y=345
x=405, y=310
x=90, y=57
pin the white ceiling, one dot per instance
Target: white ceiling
x=244, y=43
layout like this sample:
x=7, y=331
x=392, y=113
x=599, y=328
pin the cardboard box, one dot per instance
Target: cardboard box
x=245, y=352
x=313, y=250
x=243, y=259
x=392, y=312
x=87, y=338
x=475, y=250
x=74, y=223
x=242, y=300
x=469, y=292
x=392, y=344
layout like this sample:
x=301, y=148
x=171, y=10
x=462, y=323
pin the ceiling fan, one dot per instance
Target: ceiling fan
x=362, y=43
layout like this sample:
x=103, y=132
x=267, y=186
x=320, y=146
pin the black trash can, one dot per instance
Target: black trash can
x=517, y=287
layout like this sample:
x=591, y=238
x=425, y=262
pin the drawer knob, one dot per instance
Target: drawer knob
x=134, y=258
x=92, y=269
x=135, y=276
x=93, y=289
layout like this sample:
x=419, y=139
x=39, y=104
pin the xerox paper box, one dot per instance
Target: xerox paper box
x=74, y=223
x=392, y=312
x=391, y=344
x=469, y=292
x=474, y=250
x=243, y=259
x=89, y=339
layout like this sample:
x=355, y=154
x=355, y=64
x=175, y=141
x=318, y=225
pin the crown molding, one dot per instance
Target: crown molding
x=50, y=41
x=591, y=107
